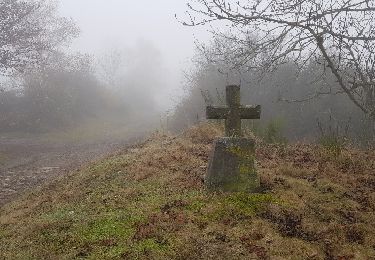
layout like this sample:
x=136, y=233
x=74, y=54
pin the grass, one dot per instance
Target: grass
x=148, y=202
x=332, y=145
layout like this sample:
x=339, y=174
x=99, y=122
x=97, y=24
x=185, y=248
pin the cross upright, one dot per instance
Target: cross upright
x=234, y=112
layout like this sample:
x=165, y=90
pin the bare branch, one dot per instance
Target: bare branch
x=342, y=32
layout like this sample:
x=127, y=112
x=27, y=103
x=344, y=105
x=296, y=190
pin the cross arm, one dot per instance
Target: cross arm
x=213, y=112
x=250, y=112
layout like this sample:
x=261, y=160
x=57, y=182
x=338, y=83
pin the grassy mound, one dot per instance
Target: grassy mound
x=149, y=202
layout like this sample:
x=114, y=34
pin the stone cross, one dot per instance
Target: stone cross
x=234, y=112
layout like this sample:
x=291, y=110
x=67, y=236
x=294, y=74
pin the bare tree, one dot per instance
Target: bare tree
x=28, y=30
x=340, y=34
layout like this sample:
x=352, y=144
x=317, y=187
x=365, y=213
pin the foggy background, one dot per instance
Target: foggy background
x=124, y=24
x=134, y=66
x=125, y=67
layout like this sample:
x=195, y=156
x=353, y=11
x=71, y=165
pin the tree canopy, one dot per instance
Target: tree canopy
x=30, y=30
x=339, y=34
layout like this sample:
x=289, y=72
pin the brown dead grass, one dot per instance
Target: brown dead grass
x=149, y=202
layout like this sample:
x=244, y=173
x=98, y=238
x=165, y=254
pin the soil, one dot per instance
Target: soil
x=26, y=163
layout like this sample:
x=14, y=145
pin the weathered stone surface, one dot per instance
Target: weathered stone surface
x=234, y=112
x=232, y=161
x=232, y=166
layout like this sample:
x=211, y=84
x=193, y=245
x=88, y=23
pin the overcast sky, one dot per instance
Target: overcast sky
x=107, y=24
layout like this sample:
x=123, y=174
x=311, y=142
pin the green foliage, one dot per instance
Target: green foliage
x=271, y=132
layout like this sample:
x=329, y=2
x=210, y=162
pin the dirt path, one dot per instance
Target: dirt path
x=26, y=163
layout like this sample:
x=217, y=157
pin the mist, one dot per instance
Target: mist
x=107, y=152
x=135, y=66
x=117, y=24
x=125, y=67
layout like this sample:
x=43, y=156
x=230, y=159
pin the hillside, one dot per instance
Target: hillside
x=149, y=202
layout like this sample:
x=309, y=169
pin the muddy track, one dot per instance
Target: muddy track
x=26, y=163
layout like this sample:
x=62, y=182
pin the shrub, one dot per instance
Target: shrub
x=271, y=132
x=333, y=138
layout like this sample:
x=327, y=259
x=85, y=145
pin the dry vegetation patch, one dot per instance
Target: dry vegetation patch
x=149, y=202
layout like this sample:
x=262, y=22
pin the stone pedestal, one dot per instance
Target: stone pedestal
x=232, y=166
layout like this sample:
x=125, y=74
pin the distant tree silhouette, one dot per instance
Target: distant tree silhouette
x=28, y=31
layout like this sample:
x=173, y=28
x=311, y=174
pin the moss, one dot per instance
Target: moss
x=196, y=206
x=246, y=183
x=107, y=228
x=115, y=252
x=238, y=205
x=244, y=178
x=150, y=246
x=250, y=203
x=149, y=203
x=246, y=168
x=244, y=154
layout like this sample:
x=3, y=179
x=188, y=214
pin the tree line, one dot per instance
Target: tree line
x=310, y=63
x=44, y=86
